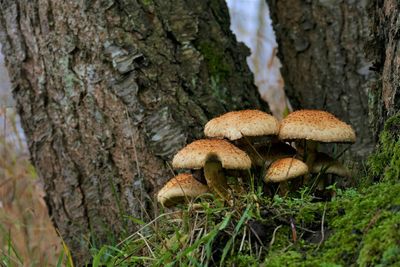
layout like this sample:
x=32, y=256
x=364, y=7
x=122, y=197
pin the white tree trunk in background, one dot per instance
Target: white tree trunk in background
x=251, y=22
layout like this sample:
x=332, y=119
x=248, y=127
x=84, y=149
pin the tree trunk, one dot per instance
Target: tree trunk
x=383, y=49
x=321, y=46
x=108, y=91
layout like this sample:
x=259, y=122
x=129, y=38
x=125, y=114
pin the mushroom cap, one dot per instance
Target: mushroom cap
x=285, y=169
x=178, y=189
x=326, y=164
x=196, y=154
x=316, y=125
x=237, y=124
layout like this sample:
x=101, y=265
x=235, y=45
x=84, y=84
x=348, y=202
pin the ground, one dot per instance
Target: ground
x=360, y=226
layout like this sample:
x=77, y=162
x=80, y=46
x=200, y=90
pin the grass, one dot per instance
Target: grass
x=27, y=235
x=357, y=227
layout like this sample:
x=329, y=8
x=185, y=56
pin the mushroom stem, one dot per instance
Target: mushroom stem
x=310, y=150
x=216, y=179
x=283, y=188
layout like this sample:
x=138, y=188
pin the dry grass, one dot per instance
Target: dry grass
x=27, y=236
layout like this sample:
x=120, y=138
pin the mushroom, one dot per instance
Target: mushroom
x=242, y=126
x=285, y=169
x=237, y=124
x=315, y=126
x=213, y=155
x=180, y=189
x=282, y=170
x=326, y=164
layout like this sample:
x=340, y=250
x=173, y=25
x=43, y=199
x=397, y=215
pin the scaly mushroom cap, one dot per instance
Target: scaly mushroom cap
x=285, y=169
x=237, y=124
x=179, y=189
x=326, y=164
x=195, y=155
x=316, y=125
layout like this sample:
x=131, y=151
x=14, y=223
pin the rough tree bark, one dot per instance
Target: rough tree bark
x=108, y=91
x=383, y=49
x=321, y=46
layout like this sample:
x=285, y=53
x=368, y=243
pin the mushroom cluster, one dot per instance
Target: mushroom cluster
x=284, y=150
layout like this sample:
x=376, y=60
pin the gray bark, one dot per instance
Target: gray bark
x=108, y=91
x=383, y=49
x=321, y=46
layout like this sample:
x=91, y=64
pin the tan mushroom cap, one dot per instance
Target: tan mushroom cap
x=285, y=169
x=316, y=125
x=195, y=155
x=326, y=164
x=237, y=124
x=180, y=188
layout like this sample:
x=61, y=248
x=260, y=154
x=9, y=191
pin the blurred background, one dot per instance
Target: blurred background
x=27, y=235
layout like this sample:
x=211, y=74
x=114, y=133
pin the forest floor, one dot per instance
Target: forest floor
x=358, y=226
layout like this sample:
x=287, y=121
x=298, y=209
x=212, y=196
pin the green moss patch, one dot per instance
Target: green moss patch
x=385, y=163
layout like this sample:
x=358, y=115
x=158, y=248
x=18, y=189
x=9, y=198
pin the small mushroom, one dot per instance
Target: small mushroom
x=213, y=155
x=284, y=169
x=326, y=164
x=179, y=189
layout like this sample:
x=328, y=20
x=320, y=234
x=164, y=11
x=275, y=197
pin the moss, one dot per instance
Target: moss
x=384, y=164
x=381, y=245
x=147, y=2
x=361, y=227
x=355, y=233
x=242, y=260
x=288, y=258
x=214, y=57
